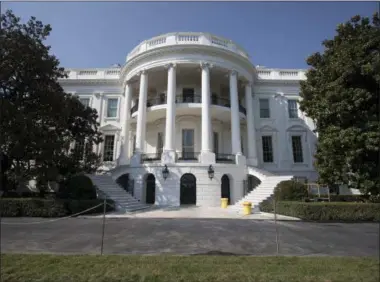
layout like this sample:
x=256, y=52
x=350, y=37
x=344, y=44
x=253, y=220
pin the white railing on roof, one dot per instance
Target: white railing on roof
x=187, y=38
x=274, y=74
x=111, y=73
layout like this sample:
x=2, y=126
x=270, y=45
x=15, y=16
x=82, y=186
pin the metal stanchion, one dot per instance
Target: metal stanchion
x=104, y=224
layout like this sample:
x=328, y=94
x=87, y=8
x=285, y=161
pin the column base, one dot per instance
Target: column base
x=123, y=159
x=136, y=159
x=168, y=157
x=240, y=159
x=252, y=161
x=207, y=157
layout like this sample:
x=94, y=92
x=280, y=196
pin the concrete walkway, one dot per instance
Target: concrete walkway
x=192, y=212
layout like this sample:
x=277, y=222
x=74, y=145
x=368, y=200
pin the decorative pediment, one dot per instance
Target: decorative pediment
x=267, y=128
x=297, y=128
x=109, y=127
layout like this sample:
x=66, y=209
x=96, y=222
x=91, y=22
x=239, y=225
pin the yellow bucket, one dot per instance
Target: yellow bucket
x=224, y=203
x=247, y=208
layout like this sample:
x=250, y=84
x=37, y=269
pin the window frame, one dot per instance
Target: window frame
x=260, y=108
x=301, y=146
x=293, y=110
x=117, y=107
x=113, y=148
x=271, y=147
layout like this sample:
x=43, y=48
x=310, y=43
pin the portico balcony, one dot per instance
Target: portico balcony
x=184, y=99
x=188, y=156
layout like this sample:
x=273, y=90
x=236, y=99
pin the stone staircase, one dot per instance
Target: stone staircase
x=261, y=192
x=124, y=201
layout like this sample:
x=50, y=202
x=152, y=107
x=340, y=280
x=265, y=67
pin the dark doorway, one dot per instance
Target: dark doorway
x=225, y=187
x=150, y=189
x=125, y=183
x=188, y=189
x=188, y=95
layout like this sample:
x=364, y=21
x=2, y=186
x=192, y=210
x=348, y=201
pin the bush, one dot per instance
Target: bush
x=49, y=208
x=290, y=190
x=79, y=187
x=326, y=211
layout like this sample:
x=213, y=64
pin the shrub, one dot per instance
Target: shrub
x=80, y=187
x=326, y=211
x=49, y=207
x=290, y=190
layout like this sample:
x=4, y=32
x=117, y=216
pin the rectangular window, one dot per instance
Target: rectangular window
x=109, y=142
x=112, y=107
x=267, y=149
x=160, y=144
x=188, y=144
x=79, y=149
x=297, y=149
x=292, y=109
x=188, y=95
x=264, y=108
x=85, y=101
x=216, y=142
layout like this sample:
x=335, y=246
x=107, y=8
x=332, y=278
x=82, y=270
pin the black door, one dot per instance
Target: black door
x=226, y=187
x=188, y=189
x=150, y=189
x=188, y=95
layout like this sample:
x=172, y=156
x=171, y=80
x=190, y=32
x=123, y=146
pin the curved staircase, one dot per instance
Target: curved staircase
x=124, y=201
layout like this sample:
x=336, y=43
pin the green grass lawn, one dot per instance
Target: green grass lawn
x=78, y=268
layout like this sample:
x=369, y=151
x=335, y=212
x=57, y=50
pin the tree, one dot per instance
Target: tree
x=39, y=121
x=341, y=94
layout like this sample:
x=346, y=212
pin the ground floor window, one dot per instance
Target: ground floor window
x=109, y=142
x=267, y=149
x=297, y=149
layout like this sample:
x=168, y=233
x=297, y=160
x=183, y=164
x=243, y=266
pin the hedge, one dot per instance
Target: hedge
x=49, y=207
x=326, y=211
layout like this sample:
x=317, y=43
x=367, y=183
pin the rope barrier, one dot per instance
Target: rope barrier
x=51, y=220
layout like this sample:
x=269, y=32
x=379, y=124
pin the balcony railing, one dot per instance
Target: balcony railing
x=152, y=157
x=215, y=100
x=225, y=158
x=188, y=156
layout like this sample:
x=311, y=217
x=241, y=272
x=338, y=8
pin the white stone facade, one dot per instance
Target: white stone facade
x=203, y=103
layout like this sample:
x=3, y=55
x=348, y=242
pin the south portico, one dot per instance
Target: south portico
x=207, y=155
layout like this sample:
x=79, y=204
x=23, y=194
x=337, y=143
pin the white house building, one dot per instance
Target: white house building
x=188, y=119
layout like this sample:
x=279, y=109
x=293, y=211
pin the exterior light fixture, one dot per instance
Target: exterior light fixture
x=210, y=172
x=165, y=172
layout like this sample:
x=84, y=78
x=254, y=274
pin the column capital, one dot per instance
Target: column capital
x=232, y=72
x=248, y=83
x=143, y=71
x=205, y=65
x=170, y=65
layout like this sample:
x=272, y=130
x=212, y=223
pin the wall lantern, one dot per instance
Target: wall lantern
x=165, y=172
x=210, y=172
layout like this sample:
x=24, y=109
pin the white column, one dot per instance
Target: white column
x=141, y=114
x=168, y=155
x=207, y=156
x=124, y=150
x=235, y=115
x=251, y=132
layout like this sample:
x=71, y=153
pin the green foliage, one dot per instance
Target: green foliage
x=341, y=94
x=49, y=208
x=39, y=120
x=290, y=190
x=325, y=211
x=80, y=187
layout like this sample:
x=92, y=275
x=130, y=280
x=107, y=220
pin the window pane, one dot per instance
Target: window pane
x=292, y=109
x=267, y=149
x=264, y=108
x=160, y=143
x=297, y=149
x=108, y=147
x=85, y=101
x=112, y=107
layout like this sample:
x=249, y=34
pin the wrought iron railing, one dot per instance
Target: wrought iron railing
x=225, y=158
x=152, y=157
x=215, y=100
x=188, y=156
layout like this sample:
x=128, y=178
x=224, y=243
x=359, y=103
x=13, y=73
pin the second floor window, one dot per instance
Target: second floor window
x=267, y=149
x=292, y=109
x=112, y=107
x=109, y=142
x=264, y=108
x=85, y=101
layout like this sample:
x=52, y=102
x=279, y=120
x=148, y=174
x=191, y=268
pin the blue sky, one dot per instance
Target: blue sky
x=275, y=34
